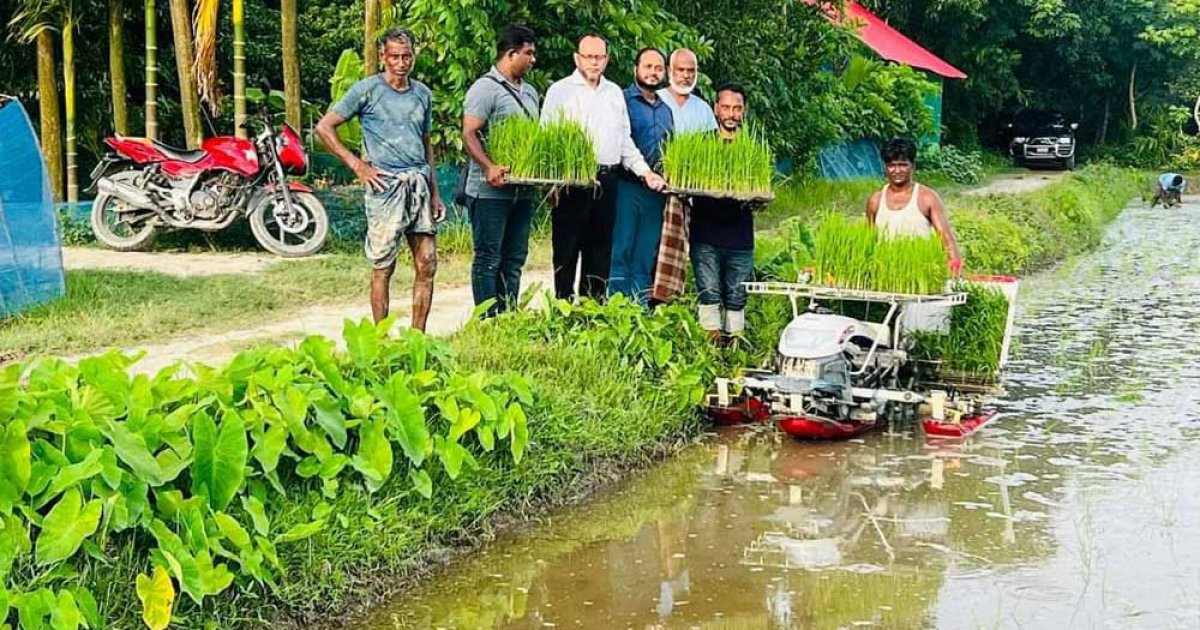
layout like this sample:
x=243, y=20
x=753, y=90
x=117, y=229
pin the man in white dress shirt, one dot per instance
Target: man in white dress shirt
x=582, y=221
x=691, y=113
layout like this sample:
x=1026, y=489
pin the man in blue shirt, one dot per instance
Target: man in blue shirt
x=639, y=214
x=1168, y=190
x=402, y=198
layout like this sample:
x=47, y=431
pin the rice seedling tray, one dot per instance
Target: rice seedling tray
x=721, y=194
x=537, y=181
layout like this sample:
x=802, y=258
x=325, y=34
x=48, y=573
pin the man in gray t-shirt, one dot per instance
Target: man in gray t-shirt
x=402, y=198
x=500, y=215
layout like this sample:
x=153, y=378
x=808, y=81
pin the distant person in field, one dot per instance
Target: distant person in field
x=402, y=198
x=1168, y=190
x=906, y=208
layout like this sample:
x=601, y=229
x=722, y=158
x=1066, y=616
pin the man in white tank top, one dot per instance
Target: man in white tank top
x=905, y=208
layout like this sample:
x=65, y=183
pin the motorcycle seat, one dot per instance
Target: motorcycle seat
x=183, y=155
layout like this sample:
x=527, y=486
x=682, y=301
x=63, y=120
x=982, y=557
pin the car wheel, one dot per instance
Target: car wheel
x=1069, y=163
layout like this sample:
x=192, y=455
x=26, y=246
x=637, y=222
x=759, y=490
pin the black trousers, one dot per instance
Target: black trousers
x=581, y=235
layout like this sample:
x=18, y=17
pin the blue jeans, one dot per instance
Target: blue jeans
x=720, y=273
x=500, y=231
x=636, y=234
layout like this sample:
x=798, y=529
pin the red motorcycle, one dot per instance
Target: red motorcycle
x=147, y=186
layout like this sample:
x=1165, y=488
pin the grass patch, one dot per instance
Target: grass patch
x=124, y=308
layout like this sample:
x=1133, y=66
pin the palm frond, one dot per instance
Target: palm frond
x=205, y=68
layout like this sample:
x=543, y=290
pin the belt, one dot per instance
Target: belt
x=609, y=169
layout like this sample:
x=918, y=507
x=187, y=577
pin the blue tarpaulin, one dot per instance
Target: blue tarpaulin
x=851, y=160
x=31, y=270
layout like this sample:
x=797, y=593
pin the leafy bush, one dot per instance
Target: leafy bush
x=963, y=167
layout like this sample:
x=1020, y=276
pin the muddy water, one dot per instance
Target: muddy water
x=1078, y=509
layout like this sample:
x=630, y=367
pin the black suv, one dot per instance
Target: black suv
x=1042, y=137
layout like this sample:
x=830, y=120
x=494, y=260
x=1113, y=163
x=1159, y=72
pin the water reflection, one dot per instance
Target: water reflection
x=1075, y=510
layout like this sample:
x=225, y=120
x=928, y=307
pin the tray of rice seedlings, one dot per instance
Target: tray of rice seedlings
x=971, y=350
x=705, y=165
x=558, y=153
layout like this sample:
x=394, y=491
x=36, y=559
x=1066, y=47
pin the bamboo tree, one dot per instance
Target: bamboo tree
x=239, y=67
x=35, y=22
x=370, y=26
x=51, y=121
x=291, y=62
x=68, y=44
x=116, y=64
x=151, y=71
x=181, y=28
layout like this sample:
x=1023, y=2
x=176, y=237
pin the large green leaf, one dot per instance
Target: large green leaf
x=302, y=531
x=374, y=457
x=421, y=481
x=70, y=476
x=407, y=417
x=258, y=515
x=232, y=530
x=89, y=609
x=219, y=468
x=65, y=615
x=329, y=416
x=269, y=446
x=67, y=525
x=131, y=449
x=362, y=342
x=15, y=465
x=293, y=406
x=515, y=415
x=157, y=595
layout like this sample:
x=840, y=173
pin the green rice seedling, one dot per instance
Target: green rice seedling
x=561, y=150
x=741, y=166
x=976, y=336
x=852, y=254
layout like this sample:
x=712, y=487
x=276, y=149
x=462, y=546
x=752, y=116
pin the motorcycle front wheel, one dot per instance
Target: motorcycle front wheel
x=292, y=232
x=119, y=226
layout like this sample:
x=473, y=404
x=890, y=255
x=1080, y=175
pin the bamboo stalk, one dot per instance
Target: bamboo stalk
x=68, y=43
x=151, y=71
x=116, y=64
x=239, y=67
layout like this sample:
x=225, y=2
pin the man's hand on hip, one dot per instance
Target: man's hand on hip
x=369, y=176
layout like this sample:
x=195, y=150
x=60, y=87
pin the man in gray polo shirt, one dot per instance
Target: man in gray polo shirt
x=500, y=215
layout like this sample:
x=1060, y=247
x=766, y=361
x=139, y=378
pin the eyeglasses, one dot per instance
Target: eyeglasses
x=596, y=58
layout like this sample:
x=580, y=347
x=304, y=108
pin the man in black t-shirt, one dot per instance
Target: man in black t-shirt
x=722, y=238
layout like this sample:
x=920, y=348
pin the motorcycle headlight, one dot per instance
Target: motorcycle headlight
x=1021, y=139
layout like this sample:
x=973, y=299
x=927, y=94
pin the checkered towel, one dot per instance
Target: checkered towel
x=670, y=272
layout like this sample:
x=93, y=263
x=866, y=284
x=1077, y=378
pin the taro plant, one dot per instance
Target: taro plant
x=193, y=473
x=706, y=163
x=559, y=151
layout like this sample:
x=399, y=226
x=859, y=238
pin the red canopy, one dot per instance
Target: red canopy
x=892, y=44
